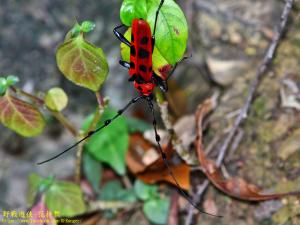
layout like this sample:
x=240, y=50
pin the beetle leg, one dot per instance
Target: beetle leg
x=124, y=64
x=161, y=83
x=121, y=36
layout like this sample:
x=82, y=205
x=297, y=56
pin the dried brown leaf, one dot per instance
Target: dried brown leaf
x=154, y=171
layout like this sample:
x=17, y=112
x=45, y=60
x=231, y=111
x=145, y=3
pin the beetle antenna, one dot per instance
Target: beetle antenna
x=176, y=64
x=164, y=157
x=156, y=16
x=105, y=124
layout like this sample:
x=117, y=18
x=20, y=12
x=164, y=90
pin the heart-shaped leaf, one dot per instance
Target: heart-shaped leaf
x=110, y=144
x=132, y=9
x=56, y=99
x=20, y=116
x=66, y=198
x=171, y=31
x=157, y=210
x=82, y=63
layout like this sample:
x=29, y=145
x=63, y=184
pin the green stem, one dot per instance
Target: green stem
x=65, y=122
x=78, y=163
x=93, y=124
x=98, y=113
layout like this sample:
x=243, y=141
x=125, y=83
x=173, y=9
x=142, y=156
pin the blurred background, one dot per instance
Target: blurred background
x=227, y=40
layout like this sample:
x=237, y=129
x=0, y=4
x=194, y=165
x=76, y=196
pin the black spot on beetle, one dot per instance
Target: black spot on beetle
x=132, y=78
x=132, y=38
x=143, y=53
x=132, y=66
x=139, y=88
x=143, y=68
x=144, y=40
x=139, y=79
x=132, y=50
x=150, y=69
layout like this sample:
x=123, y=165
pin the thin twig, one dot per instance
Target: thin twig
x=173, y=212
x=243, y=114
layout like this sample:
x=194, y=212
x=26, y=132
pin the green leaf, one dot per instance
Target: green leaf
x=171, y=31
x=157, y=210
x=20, y=116
x=137, y=125
x=87, y=26
x=12, y=80
x=92, y=170
x=132, y=9
x=110, y=144
x=82, y=63
x=145, y=191
x=113, y=191
x=159, y=62
x=3, y=85
x=56, y=99
x=66, y=198
x=34, y=181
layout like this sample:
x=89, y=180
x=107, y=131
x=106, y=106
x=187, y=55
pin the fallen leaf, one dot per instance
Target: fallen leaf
x=181, y=172
x=234, y=186
x=152, y=171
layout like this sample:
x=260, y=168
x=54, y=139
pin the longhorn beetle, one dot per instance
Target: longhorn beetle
x=144, y=80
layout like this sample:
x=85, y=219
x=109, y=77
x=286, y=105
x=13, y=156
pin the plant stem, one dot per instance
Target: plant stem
x=65, y=122
x=92, y=126
x=78, y=163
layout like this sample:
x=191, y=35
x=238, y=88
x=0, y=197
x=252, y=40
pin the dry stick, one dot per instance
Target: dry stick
x=243, y=114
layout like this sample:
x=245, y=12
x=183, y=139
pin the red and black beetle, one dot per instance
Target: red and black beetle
x=141, y=48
